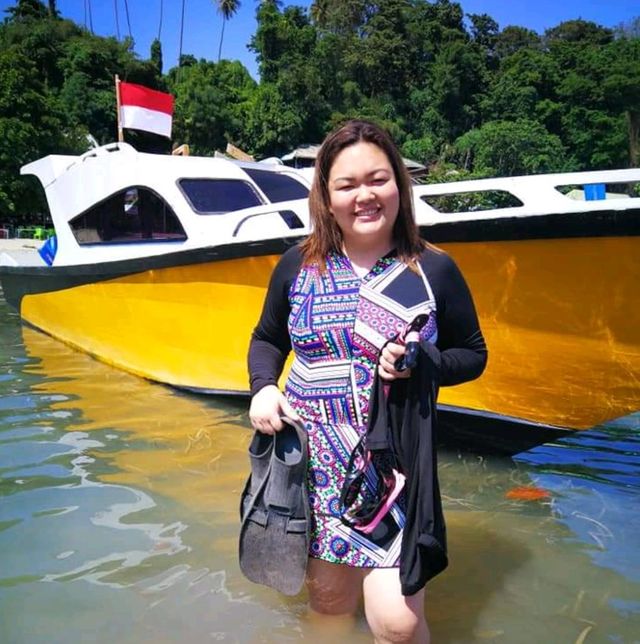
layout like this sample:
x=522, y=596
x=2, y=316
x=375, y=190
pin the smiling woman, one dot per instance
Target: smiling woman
x=364, y=201
x=342, y=300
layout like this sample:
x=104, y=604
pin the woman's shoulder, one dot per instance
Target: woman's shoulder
x=443, y=273
x=290, y=260
x=287, y=268
x=436, y=261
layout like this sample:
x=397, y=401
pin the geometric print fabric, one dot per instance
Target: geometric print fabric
x=338, y=325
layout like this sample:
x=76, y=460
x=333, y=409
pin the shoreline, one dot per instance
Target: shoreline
x=20, y=244
x=20, y=252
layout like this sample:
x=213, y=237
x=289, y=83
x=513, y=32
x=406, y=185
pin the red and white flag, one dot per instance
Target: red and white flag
x=146, y=109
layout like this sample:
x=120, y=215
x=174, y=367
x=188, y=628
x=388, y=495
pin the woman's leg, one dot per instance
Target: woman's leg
x=391, y=616
x=334, y=589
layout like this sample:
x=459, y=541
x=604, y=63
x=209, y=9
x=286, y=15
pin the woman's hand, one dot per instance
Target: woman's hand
x=390, y=353
x=267, y=406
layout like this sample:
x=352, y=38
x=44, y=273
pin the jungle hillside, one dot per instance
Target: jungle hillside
x=460, y=94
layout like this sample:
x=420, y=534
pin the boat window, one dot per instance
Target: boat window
x=219, y=196
x=132, y=215
x=598, y=191
x=278, y=186
x=291, y=219
x=460, y=202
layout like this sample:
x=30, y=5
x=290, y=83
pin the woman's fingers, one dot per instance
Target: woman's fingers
x=267, y=406
x=287, y=409
x=388, y=357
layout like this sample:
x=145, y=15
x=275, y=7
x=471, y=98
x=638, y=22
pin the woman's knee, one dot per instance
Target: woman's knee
x=398, y=626
x=391, y=616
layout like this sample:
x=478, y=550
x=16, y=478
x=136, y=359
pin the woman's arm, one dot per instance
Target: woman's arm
x=463, y=352
x=270, y=344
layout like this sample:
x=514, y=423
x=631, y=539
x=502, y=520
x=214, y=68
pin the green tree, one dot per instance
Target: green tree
x=457, y=81
x=265, y=43
x=508, y=148
x=31, y=126
x=27, y=10
x=339, y=16
x=156, y=56
x=272, y=127
x=578, y=31
x=228, y=9
x=423, y=150
x=513, y=38
x=600, y=92
x=89, y=65
x=212, y=101
x=621, y=88
x=377, y=59
x=525, y=86
x=484, y=32
x=302, y=69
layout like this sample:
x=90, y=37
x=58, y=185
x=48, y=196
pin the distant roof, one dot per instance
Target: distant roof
x=302, y=152
x=414, y=166
x=310, y=152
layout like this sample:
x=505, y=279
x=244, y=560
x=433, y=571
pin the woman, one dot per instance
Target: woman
x=340, y=299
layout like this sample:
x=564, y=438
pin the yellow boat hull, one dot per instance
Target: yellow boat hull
x=187, y=326
x=561, y=318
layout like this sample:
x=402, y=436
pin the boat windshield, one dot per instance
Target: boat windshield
x=278, y=186
x=219, y=196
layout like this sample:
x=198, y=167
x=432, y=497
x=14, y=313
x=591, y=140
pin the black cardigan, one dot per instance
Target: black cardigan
x=405, y=420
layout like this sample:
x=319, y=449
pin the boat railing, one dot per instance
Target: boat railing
x=527, y=195
x=290, y=216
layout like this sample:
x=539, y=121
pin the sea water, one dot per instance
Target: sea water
x=119, y=521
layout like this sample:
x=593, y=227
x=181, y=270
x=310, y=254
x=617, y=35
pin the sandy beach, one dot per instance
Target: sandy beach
x=20, y=244
x=20, y=251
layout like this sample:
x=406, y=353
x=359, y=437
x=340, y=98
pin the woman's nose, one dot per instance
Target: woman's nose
x=364, y=193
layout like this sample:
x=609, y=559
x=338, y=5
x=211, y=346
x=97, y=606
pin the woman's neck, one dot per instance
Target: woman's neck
x=364, y=257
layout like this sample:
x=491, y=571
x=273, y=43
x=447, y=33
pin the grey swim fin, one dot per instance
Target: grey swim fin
x=275, y=513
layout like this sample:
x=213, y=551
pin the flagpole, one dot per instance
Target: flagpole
x=120, y=131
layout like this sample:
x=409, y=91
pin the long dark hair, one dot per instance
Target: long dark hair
x=326, y=236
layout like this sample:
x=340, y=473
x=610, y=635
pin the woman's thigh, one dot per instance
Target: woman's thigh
x=334, y=589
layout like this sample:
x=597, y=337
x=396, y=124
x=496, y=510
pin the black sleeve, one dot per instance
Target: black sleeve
x=270, y=342
x=463, y=352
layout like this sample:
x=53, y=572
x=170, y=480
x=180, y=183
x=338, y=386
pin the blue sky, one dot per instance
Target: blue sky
x=202, y=22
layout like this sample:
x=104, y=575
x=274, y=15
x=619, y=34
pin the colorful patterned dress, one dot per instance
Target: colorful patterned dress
x=338, y=325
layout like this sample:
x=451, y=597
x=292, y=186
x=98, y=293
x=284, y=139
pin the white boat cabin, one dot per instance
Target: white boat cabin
x=115, y=203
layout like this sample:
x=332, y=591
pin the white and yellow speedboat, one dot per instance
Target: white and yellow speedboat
x=163, y=261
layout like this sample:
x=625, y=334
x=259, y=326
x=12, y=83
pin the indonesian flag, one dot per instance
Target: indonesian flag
x=145, y=109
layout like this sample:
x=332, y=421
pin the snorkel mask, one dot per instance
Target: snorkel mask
x=363, y=504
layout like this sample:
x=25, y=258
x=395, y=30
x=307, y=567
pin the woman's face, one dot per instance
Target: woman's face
x=363, y=194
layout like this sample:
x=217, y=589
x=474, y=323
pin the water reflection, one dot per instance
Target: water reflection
x=595, y=481
x=114, y=483
x=123, y=494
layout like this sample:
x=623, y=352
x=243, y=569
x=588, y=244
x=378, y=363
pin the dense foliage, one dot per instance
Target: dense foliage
x=458, y=92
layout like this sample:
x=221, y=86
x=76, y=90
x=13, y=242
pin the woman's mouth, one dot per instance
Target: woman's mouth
x=367, y=213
